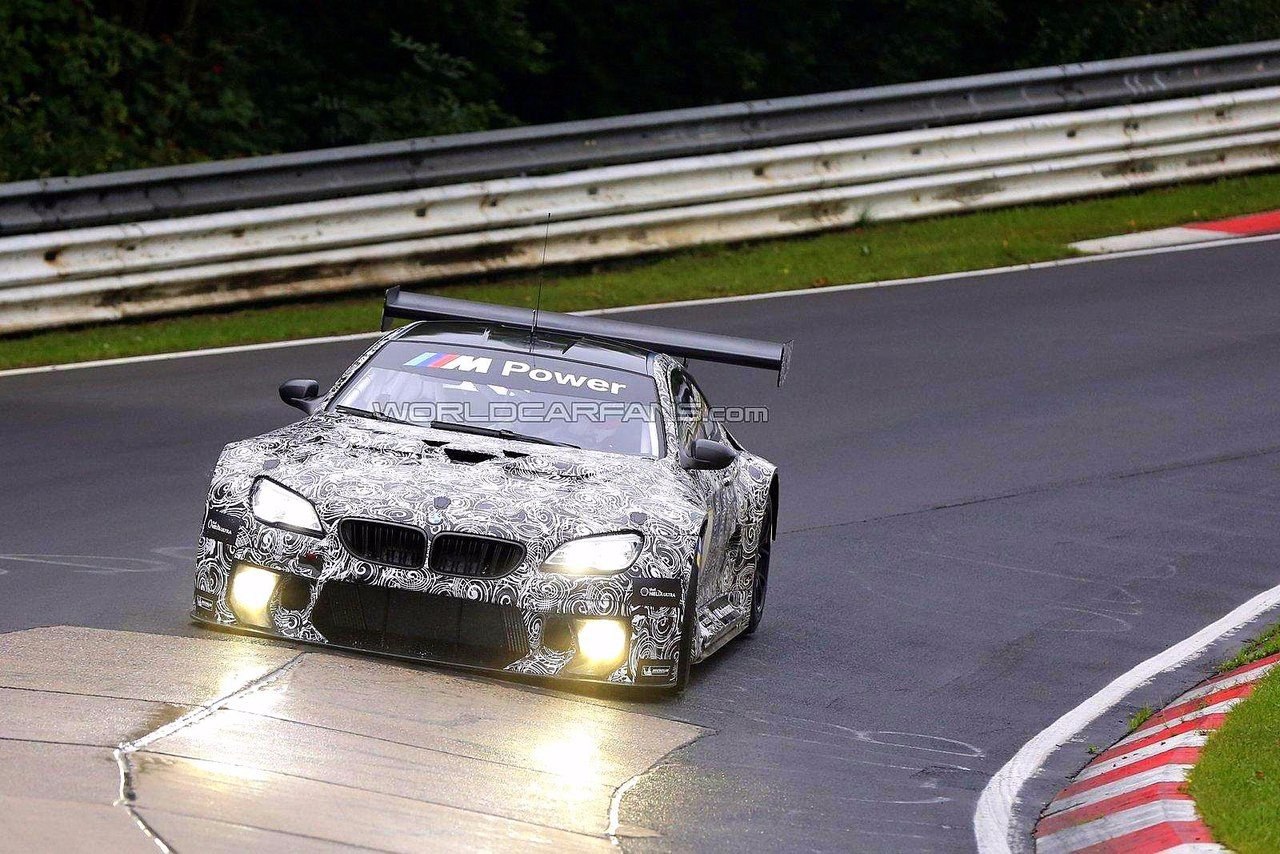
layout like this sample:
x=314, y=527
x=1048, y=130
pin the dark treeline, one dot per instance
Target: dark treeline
x=95, y=85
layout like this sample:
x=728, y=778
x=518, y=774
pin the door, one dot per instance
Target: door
x=694, y=421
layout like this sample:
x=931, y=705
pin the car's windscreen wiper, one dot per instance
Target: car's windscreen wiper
x=495, y=433
x=368, y=413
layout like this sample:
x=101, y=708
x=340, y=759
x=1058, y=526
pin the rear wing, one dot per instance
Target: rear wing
x=673, y=342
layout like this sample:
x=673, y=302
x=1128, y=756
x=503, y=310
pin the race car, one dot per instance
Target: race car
x=501, y=489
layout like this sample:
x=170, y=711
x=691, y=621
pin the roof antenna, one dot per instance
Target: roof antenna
x=542, y=274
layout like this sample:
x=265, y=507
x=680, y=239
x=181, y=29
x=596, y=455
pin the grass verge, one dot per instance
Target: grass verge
x=883, y=251
x=1140, y=717
x=1264, y=645
x=1236, y=783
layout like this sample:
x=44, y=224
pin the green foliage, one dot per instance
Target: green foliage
x=74, y=88
x=88, y=88
x=1264, y=645
x=1073, y=30
x=94, y=85
x=387, y=69
x=1236, y=783
x=633, y=55
x=1140, y=717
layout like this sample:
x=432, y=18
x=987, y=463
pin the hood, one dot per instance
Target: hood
x=448, y=481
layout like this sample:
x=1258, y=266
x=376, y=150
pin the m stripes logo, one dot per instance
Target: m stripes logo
x=451, y=362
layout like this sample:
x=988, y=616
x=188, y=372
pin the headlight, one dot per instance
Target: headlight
x=284, y=508
x=595, y=555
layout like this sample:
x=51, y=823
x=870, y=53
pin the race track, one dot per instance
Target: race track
x=998, y=493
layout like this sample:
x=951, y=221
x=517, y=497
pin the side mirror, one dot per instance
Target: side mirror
x=301, y=394
x=707, y=455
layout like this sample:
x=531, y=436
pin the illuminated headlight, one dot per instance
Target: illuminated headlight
x=601, y=641
x=284, y=508
x=595, y=555
x=251, y=591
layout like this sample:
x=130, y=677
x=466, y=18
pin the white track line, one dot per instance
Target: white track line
x=615, y=808
x=993, y=818
x=189, y=354
x=800, y=292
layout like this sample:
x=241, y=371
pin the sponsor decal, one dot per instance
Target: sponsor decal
x=512, y=368
x=565, y=378
x=660, y=670
x=657, y=592
x=451, y=362
x=221, y=527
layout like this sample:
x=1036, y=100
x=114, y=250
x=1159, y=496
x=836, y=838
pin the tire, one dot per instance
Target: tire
x=760, y=581
x=688, y=625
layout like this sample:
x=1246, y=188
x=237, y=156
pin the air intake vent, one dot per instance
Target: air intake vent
x=422, y=625
x=384, y=542
x=475, y=557
x=467, y=458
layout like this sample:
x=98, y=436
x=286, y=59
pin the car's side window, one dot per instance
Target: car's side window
x=708, y=426
x=690, y=408
x=710, y=429
x=693, y=415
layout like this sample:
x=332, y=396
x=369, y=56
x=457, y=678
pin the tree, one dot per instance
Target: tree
x=93, y=85
x=130, y=83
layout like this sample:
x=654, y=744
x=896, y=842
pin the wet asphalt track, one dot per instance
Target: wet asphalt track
x=999, y=493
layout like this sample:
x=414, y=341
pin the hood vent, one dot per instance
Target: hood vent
x=466, y=457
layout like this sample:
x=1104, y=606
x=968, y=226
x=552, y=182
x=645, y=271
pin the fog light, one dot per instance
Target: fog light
x=251, y=590
x=601, y=640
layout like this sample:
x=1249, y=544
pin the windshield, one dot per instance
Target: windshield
x=523, y=395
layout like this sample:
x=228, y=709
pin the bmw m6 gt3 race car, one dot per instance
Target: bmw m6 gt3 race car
x=545, y=495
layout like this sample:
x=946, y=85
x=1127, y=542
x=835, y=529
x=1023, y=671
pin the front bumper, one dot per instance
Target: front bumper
x=524, y=623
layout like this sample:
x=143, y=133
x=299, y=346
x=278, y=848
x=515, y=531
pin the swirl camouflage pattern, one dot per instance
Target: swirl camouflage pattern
x=441, y=542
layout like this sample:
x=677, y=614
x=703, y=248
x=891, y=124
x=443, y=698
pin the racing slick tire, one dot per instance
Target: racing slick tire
x=688, y=626
x=760, y=582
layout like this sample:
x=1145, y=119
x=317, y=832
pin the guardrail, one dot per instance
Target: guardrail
x=113, y=271
x=133, y=196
